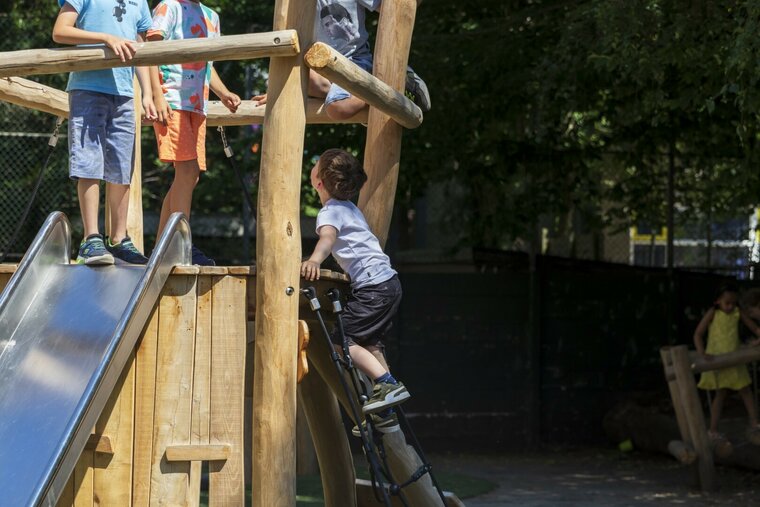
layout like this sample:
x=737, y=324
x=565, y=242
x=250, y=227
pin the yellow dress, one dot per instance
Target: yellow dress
x=723, y=337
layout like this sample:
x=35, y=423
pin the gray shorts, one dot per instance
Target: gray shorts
x=336, y=93
x=369, y=313
x=101, y=136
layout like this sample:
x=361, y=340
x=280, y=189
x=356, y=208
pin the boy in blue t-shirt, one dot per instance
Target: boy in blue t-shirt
x=375, y=288
x=102, y=120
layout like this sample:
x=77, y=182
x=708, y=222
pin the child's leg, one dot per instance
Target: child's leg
x=749, y=403
x=180, y=195
x=366, y=362
x=118, y=201
x=88, y=191
x=346, y=108
x=717, y=408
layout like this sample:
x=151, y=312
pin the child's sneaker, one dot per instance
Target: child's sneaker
x=385, y=395
x=383, y=425
x=417, y=91
x=126, y=251
x=92, y=251
x=200, y=259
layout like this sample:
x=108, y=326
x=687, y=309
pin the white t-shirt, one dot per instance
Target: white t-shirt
x=340, y=24
x=356, y=249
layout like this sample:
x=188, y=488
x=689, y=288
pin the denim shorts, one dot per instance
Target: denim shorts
x=336, y=93
x=369, y=313
x=101, y=136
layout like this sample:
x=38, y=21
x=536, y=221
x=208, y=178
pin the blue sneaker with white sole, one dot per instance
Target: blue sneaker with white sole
x=93, y=252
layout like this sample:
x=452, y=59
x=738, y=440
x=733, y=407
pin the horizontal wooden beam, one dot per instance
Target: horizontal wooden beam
x=213, y=452
x=29, y=94
x=329, y=63
x=249, y=114
x=33, y=95
x=743, y=355
x=228, y=47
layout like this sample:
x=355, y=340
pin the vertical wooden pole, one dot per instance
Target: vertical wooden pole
x=135, y=213
x=323, y=415
x=692, y=410
x=675, y=396
x=278, y=255
x=382, y=152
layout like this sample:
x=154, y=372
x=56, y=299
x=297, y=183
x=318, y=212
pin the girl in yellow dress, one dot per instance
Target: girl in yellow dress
x=721, y=323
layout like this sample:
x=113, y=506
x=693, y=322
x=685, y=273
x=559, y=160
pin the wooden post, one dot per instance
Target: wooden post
x=330, y=442
x=692, y=409
x=382, y=152
x=135, y=211
x=675, y=396
x=278, y=255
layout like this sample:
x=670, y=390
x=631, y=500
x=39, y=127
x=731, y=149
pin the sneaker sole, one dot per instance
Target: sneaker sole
x=100, y=260
x=389, y=401
x=386, y=430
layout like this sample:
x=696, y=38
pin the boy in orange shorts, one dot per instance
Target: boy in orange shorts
x=180, y=93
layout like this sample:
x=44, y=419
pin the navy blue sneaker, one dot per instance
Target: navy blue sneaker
x=126, y=251
x=200, y=259
x=92, y=251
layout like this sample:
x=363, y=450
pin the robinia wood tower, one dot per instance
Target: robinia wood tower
x=187, y=396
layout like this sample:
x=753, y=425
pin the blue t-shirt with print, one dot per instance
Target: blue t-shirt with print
x=122, y=18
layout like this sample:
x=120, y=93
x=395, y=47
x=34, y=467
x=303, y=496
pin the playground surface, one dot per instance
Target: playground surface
x=604, y=477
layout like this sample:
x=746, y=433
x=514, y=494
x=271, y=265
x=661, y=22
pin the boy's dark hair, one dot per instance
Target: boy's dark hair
x=342, y=175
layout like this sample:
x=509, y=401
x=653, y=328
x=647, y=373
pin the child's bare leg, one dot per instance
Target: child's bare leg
x=118, y=201
x=318, y=85
x=88, y=191
x=749, y=403
x=180, y=194
x=366, y=362
x=346, y=108
x=717, y=408
x=379, y=355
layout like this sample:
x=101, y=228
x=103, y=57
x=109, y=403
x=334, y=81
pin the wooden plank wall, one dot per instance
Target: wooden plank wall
x=184, y=385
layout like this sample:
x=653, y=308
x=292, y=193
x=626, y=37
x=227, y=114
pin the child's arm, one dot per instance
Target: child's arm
x=143, y=77
x=163, y=110
x=229, y=99
x=701, y=331
x=66, y=32
x=310, y=267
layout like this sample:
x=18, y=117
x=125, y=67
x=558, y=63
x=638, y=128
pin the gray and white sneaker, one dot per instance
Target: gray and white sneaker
x=383, y=425
x=385, y=395
x=417, y=90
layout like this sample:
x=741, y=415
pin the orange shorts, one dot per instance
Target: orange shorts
x=183, y=139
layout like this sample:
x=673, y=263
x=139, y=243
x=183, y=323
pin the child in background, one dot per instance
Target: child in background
x=340, y=24
x=102, y=122
x=721, y=324
x=180, y=93
x=375, y=288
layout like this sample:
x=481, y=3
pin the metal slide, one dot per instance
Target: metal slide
x=66, y=332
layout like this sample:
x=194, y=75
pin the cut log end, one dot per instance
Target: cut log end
x=318, y=56
x=682, y=451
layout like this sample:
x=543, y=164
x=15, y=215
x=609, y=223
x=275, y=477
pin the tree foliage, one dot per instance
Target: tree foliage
x=540, y=108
